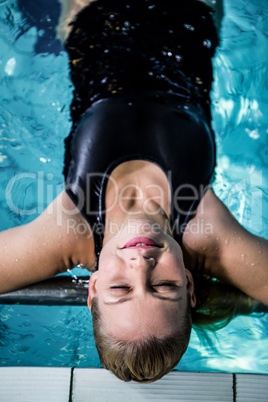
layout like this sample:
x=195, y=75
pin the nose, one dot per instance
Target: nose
x=142, y=261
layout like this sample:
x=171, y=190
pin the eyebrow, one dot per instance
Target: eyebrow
x=158, y=296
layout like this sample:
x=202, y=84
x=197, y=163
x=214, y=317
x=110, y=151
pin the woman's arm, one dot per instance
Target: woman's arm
x=59, y=239
x=225, y=250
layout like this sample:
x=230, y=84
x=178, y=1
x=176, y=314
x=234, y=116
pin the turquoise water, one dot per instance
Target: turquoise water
x=34, y=119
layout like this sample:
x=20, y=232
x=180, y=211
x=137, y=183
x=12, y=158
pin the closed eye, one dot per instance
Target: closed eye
x=166, y=284
x=119, y=290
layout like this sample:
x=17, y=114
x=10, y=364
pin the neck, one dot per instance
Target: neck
x=136, y=190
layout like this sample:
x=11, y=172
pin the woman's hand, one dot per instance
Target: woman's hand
x=223, y=249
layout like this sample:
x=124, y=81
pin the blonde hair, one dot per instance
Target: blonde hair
x=149, y=359
x=145, y=360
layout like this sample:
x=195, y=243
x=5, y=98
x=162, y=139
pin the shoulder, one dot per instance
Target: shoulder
x=227, y=251
x=70, y=231
x=205, y=232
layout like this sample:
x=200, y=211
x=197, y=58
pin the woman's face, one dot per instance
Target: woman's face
x=142, y=285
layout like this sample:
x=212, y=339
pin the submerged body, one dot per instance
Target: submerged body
x=143, y=95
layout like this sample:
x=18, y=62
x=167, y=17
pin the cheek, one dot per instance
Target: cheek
x=174, y=269
x=106, y=259
x=173, y=262
x=109, y=266
x=176, y=255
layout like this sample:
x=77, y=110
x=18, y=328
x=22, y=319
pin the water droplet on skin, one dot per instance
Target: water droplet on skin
x=227, y=241
x=253, y=264
x=243, y=256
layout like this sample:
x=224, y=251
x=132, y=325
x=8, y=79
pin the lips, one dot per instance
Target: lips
x=141, y=242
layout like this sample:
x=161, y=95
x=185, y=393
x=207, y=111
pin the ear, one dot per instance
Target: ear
x=92, y=288
x=190, y=287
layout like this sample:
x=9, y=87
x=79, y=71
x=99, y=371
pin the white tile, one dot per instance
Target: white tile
x=34, y=384
x=251, y=387
x=99, y=385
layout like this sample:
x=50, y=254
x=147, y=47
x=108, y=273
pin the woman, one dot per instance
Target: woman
x=137, y=207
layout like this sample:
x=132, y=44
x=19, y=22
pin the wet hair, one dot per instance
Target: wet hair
x=144, y=360
x=218, y=303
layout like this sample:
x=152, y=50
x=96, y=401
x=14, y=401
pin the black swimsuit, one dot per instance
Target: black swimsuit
x=142, y=75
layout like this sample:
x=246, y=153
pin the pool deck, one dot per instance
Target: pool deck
x=32, y=384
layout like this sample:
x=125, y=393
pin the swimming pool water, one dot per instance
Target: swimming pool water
x=34, y=119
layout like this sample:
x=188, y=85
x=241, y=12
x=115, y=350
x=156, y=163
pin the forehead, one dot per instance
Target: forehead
x=136, y=319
